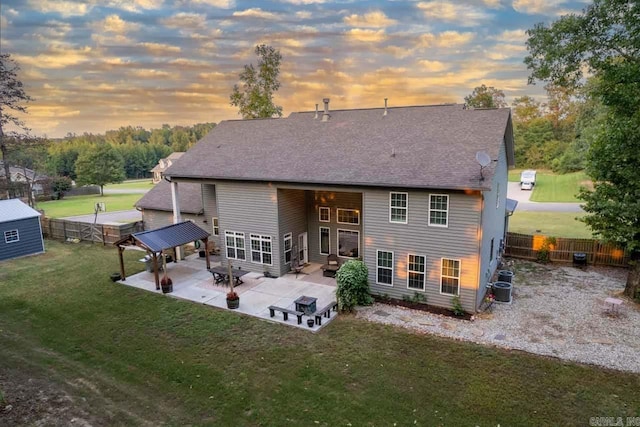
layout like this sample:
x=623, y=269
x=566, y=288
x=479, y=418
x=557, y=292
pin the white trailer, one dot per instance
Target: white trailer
x=527, y=179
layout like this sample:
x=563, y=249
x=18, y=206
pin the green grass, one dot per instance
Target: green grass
x=133, y=184
x=557, y=224
x=82, y=205
x=558, y=188
x=137, y=357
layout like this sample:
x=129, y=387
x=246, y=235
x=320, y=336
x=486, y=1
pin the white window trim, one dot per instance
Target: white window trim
x=288, y=236
x=396, y=207
x=320, y=240
x=235, y=234
x=6, y=236
x=215, y=224
x=459, y=277
x=424, y=274
x=393, y=270
x=260, y=238
x=347, y=209
x=338, y=242
x=438, y=210
x=320, y=209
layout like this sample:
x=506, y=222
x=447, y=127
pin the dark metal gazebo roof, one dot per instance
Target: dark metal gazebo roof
x=170, y=236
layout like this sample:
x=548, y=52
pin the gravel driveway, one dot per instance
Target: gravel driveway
x=556, y=311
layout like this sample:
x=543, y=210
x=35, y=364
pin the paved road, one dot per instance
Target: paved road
x=111, y=218
x=525, y=205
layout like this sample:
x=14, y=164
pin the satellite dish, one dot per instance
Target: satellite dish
x=483, y=158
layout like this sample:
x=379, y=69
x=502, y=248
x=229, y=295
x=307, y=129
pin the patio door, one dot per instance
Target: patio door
x=303, y=249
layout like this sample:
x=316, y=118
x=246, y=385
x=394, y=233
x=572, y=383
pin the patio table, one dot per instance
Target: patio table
x=221, y=274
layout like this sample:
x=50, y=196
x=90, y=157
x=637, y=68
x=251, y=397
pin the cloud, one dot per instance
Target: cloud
x=185, y=20
x=460, y=14
x=363, y=35
x=541, y=7
x=57, y=56
x=375, y=19
x=446, y=39
x=494, y=4
x=255, y=12
x=159, y=48
x=510, y=36
x=303, y=14
x=117, y=25
x=301, y=2
x=135, y=5
x=221, y=4
x=62, y=7
x=149, y=74
x=433, y=66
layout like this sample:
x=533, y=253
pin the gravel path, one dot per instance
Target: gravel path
x=556, y=311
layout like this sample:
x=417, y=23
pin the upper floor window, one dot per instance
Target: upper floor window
x=261, y=249
x=325, y=214
x=235, y=245
x=439, y=210
x=11, y=236
x=398, y=207
x=348, y=216
x=450, y=277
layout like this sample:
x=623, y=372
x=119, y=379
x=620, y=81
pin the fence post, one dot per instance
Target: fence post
x=102, y=231
x=594, y=252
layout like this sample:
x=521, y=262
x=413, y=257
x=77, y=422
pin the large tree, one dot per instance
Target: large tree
x=99, y=165
x=486, y=97
x=603, y=40
x=255, y=98
x=12, y=101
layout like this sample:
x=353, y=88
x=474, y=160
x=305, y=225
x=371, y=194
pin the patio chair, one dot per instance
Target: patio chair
x=332, y=266
x=296, y=267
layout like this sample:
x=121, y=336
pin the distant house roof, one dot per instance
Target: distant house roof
x=15, y=209
x=170, y=236
x=173, y=156
x=422, y=147
x=18, y=170
x=159, y=198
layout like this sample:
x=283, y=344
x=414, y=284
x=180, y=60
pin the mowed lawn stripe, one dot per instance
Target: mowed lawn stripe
x=84, y=205
x=191, y=363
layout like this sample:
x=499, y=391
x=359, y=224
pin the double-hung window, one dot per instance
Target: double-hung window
x=325, y=241
x=216, y=226
x=384, y=271
x=11, y=236
x=398, y=207
x=416, y=272
x=348, y=216
x=288, y=243
x=439, y=210
x=261, y=249
x=324, y=214
x=450, y=277
x=235, y=245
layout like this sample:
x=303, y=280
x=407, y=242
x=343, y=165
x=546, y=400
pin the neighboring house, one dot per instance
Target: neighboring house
x=163, y=164
x=399, y=188
x=20, y=230
x=19, y=174
x=157, y=210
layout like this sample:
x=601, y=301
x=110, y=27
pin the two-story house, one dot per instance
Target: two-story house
x=163, y=164
x=400, y=188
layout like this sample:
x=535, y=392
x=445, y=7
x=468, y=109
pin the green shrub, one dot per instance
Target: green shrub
x=456, y=306
x=543, y=255
x=353, y=285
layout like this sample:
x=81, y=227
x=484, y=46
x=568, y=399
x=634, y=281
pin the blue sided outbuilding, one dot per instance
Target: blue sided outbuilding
x=20, y=230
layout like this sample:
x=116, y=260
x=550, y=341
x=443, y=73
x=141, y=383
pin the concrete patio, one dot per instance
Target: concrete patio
x=191, y=281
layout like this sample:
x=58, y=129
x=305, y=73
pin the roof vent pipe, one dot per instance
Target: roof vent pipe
x=385, y=107
x=316, y=116
x=326, y=115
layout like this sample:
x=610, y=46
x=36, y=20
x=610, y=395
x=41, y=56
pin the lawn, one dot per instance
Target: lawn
x=557, y=224
x=82, y=205
x=125, y=356
x=134, y=184
x=551, y=187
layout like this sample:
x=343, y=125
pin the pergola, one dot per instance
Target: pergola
x=159, y=240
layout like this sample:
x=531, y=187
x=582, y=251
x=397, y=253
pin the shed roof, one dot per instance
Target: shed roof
x=15, y=209
x=170, y=236
x=420, y=147
x=159, y=198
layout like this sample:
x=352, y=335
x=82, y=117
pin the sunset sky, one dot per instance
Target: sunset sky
x=100, y=64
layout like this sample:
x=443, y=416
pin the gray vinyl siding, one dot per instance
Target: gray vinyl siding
x=334, y=200
x=210, y=205
x=153, y=219
x=249, y=208
x=457, y=241
x=493, y=222
x=30, y=238
x=292, y=218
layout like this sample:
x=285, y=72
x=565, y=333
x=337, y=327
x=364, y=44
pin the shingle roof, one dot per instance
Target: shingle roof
x=170, y=236
x=423, y=147
x=159, y=198
x=15, y=209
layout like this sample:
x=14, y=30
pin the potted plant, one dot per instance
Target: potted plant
x=165, y=283
x=233, y=299
x=115, y=277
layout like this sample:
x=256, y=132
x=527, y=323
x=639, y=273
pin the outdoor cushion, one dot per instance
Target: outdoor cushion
x=333, y=262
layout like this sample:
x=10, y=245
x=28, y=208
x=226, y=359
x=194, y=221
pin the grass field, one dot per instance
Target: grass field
x=551, y=187
x=82, y=205
x=557, y=224
x=125, y=356
x=134, y=184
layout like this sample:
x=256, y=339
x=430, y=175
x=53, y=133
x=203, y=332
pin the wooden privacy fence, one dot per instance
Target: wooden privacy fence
x=101, y=233
x=598, y=253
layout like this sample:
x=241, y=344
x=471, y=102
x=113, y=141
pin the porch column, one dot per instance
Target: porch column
x=175, y=202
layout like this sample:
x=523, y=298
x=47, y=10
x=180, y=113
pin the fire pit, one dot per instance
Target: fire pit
x=307, y=305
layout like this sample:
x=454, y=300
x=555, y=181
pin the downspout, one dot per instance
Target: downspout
x=479, y=252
